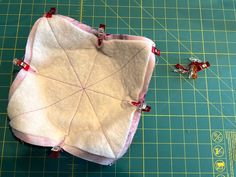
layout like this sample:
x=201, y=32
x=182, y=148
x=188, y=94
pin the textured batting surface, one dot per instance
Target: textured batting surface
x=190, y=130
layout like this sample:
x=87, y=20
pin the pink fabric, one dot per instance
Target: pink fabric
x=40, y=141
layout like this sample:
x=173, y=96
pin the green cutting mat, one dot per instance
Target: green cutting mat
x=190, y=131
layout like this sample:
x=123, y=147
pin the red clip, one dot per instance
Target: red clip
x=181, y=69
x=156, y=51
x=193, y=68
x=147, y=108
x=51, y=12
x=102, y=26
x=21, y=64
x=200, y=65
x=136, y=103
x=55, y=152
x=101, y=34
x=141, y=106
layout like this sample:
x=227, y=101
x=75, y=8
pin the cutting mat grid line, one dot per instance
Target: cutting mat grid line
x=189, y=118
x=181, y=98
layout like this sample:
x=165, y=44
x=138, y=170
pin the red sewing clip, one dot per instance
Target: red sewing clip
x=193, y=68
x=21, y=64
x=181, y=69
x=101, y=34
x=145, y=108
x=200, y=65
x=55, y=152
x=136, y=103
x=156, y=51
x=141, y=106
x=51, y=12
